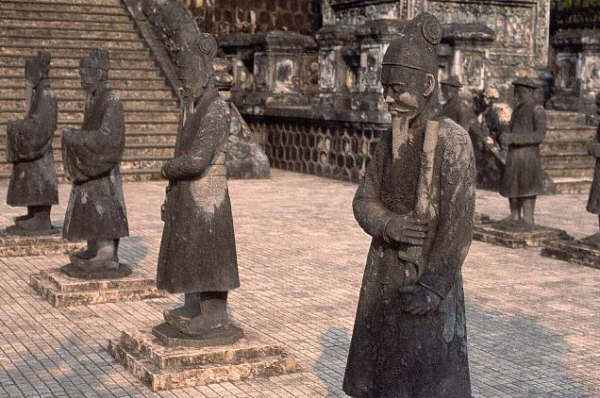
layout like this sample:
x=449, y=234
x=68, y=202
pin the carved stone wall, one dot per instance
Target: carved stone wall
x=224, y=17
x=576, y=70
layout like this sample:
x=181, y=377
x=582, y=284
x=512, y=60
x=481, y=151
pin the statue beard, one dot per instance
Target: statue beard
x=29, y=89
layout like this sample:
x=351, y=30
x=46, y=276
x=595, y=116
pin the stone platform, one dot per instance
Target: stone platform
x=17, y=245
x=169, y=367
x=62, y=290
x=515, y=235
x=573, y=251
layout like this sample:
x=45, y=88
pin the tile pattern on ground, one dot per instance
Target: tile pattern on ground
x=533, y=322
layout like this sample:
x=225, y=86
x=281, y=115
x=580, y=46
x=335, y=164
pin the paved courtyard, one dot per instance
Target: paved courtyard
x=533, y=322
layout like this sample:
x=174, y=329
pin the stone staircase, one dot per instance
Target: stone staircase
x=69, y=29
x=564, y=154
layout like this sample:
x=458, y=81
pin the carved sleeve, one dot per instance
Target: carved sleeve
x=214, y=128
x=539, y=130
x=92, y=153
x=37, y=129
x=455, y=219
x=369, y=210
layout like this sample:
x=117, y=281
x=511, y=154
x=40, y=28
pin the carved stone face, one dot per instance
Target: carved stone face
x=90, y=78
x=195, y=74
x=33, y=75
x=522, y=93
x=406, y=90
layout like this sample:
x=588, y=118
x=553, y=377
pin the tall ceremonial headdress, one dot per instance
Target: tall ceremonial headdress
x=39, y=64
x=417, y=46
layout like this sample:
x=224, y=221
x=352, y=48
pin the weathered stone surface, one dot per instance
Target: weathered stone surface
x=82, y=272
x=164, y=368
x=171, y=336
x=12, y=245
x=62, y=290
x=573, y=251
x=245, y=157
x=516, y=235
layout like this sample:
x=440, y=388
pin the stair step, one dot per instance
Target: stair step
x=570, y=133
x=43, y=5
x=72, y=62
x=55, y=32
x=130, y=175
x=566, y=159
x=133, y=125
x=572, y=172
x=72, y=104
x=570, y=185
x=127, y=163
x=114, y=3
x=25, y=22
x=49, y=43
x=67, y=16
x=549, y=147
x=73, y=51
x=73, y=73
x=559, y=118
x=76, y=115
x=123, y=88
x=132, y=138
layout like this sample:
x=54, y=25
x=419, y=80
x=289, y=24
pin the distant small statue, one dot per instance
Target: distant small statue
x=523, y=176
x=197, y=252
x=593, y=205
x=416, y=201
x=96, y=211
x=455, y=107
x=29, y=148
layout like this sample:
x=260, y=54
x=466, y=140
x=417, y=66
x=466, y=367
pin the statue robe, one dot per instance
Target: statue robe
x=91, y=158
x=197, y=251
x=394, y=353
x=29, y=149
x=524, y=175
x=593, y=204
x=458, y=110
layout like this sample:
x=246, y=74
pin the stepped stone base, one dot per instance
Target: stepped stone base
x=573, y=251
x=516, y=235
x=15, y=245
x=165, y=367
x=62, y=290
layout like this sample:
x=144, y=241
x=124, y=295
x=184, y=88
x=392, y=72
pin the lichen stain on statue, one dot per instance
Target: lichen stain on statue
x=198, y=253
x=96, y=211
x=33, y=181
x=409, y=338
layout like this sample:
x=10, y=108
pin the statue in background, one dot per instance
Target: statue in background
x=593, y=205
x=455, y=107
x=29, y=148
x=523, y=176
x=198, y=253
x=96, y=211
x=409, y=338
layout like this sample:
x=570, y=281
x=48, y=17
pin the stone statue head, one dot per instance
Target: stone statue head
x=93, y=69
x=410, y=67
x=450, y=87
x=195, y=64
x=524, y=88
x=37, y=68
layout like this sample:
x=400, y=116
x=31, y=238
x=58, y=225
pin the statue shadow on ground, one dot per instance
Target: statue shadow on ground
x=71, y=367
x=516, y=356
x=132, y=250
x=330, y=365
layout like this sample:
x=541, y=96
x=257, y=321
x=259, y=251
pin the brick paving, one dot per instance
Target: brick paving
x=533, y=322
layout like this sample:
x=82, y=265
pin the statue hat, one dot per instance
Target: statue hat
x=451, y=81
x=417, y=46
x=526, y=82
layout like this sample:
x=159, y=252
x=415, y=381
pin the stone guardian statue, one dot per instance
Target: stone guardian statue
x=593, y=204
x=523, y=176
x=96, y=212
x=409, y=338
x=29, y=148
x=198, y=253
x=455, y=108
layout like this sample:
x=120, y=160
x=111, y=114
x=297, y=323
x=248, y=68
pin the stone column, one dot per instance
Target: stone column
x=576, y=70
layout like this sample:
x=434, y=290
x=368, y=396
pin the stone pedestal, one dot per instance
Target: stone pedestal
x=14, y=245
x=163, y=367
x=515, y=235
x=573, y=251
x=62, y=290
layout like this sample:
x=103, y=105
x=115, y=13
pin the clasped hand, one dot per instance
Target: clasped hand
x=408, y=228
x=417, y=300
